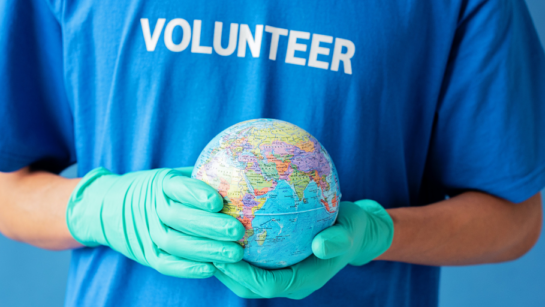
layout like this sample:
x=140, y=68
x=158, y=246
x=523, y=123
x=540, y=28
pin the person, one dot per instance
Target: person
x=431, y=110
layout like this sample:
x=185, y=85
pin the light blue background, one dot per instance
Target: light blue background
x=33, y=277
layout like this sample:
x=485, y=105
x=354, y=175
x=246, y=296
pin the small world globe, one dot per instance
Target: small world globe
x=278, y=181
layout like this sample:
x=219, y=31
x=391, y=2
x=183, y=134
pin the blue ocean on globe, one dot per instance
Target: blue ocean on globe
x=279, y=182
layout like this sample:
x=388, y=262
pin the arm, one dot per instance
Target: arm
x=171, y=223
x=33, y=208
x=471, y=228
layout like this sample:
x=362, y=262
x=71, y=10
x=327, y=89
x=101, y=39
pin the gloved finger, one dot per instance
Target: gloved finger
x=332, y=242
x=313, y=273
x=352, y=217
x=217, y=226
x=339, y=238
x=235, y=286
x=191, y=192
x=197, y=249
x=297, y=281
x=265, y=283
x=170, y=265
x=185, y=171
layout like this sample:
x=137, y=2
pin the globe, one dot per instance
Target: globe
x=276, y=179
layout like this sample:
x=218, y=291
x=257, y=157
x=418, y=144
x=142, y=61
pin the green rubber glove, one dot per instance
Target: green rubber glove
x=160, y=218
x=363, y=231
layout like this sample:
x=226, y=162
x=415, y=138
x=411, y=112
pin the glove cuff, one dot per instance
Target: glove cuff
x=83, y=213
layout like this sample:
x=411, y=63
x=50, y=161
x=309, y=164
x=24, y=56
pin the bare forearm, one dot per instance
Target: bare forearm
x=471, y=228
x=33, y=206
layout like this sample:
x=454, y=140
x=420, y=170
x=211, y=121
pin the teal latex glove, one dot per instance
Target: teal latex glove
x=363, y=231
x=160, y=218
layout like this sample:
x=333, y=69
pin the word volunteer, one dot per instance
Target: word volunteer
x=343, y=49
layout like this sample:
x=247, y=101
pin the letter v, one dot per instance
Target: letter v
x=151, y=40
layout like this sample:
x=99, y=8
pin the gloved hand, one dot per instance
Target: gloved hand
x=363, y=231
x=160, y=218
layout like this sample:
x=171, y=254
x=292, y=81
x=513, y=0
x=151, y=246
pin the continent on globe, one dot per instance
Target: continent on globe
x=278, y=181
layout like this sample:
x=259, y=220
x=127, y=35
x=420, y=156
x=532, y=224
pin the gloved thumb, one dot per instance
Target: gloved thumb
x=332, y=242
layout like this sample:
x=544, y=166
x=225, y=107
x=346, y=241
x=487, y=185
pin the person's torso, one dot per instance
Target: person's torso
x=151, y=83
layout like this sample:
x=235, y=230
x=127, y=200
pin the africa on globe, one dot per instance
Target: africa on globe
x=276, y=179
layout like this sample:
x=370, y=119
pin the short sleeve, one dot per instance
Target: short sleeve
x=489, y=131
x=35, y=116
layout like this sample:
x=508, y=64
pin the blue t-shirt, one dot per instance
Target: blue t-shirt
x=414, y=100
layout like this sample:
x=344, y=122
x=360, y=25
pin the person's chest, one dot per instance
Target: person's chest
x=158, y=80
x=363, y=48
